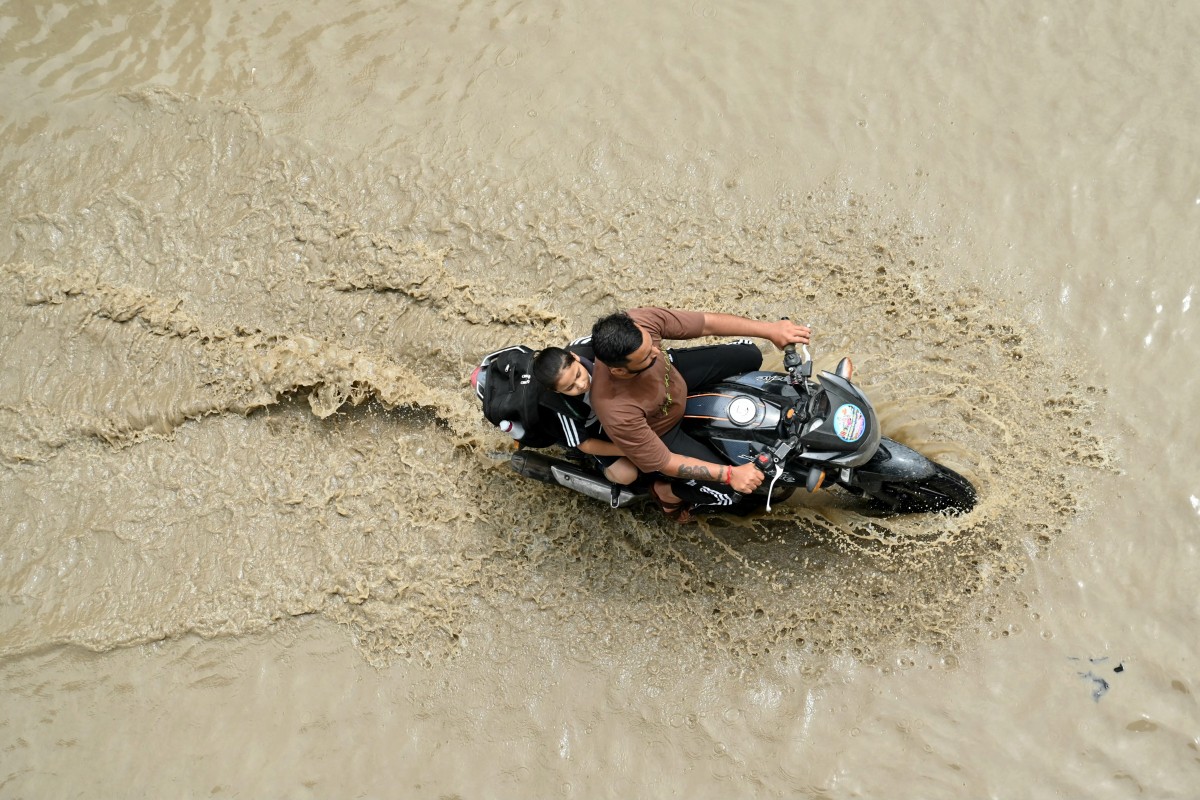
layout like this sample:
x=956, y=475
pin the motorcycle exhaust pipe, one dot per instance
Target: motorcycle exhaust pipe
x=564, y=473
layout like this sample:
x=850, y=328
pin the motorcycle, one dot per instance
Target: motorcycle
x=797, y=430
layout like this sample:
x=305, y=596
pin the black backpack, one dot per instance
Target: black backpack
x=509, y=392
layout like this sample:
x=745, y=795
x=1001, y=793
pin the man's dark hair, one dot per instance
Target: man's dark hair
x=548, y=364
x=615, y=337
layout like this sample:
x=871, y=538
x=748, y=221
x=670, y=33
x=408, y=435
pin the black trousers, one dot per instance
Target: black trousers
x=702, y=368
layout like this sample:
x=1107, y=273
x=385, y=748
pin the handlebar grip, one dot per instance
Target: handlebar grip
x=789, y=350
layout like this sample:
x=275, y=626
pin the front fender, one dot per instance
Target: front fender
x=894, y=462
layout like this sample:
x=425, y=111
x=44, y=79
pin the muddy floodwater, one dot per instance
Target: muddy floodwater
x=256, y=539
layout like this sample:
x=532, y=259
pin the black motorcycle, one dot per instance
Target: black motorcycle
x=798, y=431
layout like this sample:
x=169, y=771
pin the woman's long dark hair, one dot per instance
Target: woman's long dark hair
x=548, y=364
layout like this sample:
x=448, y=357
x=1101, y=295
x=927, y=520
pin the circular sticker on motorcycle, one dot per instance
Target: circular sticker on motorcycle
x=849, y=422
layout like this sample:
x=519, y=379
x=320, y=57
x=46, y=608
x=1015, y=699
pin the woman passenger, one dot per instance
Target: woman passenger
x=570, y=376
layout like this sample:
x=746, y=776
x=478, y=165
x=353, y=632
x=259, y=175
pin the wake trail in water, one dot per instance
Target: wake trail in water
x=235, y=377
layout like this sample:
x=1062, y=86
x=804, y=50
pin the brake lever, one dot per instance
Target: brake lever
x=768, y=457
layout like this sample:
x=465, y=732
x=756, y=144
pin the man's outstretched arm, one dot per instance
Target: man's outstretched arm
x=744, y=478
x=649, y=454
x=781, y=333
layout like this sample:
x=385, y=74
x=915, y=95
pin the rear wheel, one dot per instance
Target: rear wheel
x=943, y=490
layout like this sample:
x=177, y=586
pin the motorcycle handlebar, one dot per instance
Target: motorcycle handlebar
x=790, y=359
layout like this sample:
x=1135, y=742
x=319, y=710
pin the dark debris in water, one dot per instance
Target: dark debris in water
x=1100, y=686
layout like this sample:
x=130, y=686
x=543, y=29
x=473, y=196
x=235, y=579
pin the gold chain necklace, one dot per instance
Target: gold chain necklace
x=666, y=406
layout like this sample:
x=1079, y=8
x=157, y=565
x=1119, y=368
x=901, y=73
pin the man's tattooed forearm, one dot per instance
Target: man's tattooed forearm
x=698, y=472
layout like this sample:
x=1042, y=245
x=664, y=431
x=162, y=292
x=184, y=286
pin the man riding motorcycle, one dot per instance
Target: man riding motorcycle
x=639, y=393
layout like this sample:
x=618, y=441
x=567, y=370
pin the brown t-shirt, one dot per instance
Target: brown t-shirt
x=634, y=411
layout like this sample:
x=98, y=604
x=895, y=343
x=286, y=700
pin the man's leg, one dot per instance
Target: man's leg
x=707, y=495
x=701, y=368
x=704, y=366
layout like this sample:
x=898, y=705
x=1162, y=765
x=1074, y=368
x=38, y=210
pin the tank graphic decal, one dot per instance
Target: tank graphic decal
x=849, y=422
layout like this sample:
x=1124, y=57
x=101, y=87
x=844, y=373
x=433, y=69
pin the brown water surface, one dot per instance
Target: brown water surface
x=257, y=540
